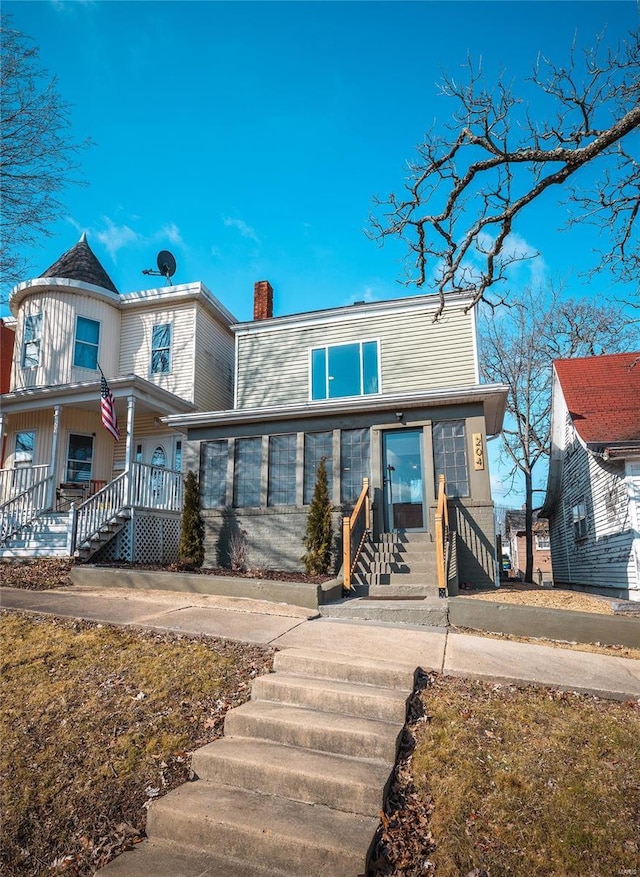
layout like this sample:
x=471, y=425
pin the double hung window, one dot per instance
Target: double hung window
x=214, y=474
x=579, y=518
x=316, y=446
x=31, y=340
x=450, y=456
x=282, y=470
x=344, y=370
x=79, y=458
x=25, y=444
x=248, y=472
x=161, y=349
x=85, y=353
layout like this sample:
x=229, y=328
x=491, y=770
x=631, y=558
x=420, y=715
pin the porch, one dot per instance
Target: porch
x=134, y=518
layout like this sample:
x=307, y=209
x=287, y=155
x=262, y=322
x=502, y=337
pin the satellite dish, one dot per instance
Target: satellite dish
x=166, y=266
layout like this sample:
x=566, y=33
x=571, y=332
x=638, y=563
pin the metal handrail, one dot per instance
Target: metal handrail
x=355, y=528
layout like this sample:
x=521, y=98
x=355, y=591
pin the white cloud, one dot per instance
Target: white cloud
x=368, y=294
x=170, y=232
x=115, y=237
x=245, y=230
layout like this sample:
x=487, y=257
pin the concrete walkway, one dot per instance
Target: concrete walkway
x=284, y=626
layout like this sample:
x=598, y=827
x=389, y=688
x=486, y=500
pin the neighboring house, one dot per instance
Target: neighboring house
x=162, y=351
x=517, y=546
x=593, y=491
x=7, y=338
x=381, y=391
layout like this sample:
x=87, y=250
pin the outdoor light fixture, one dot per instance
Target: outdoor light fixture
x=399, y=416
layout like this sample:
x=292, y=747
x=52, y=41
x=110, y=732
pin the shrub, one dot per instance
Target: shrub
x=317, y=540
x=191, y=551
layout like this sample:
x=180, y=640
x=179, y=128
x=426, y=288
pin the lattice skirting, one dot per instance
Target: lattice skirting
x=146, y=538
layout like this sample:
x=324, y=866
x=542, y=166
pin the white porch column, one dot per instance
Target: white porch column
x=2, y=416
x=55, y=441
x=131, y=408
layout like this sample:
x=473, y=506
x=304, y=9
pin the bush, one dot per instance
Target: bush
x=317, y=540
x=191, y=551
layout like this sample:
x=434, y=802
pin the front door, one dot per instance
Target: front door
x=403, y=480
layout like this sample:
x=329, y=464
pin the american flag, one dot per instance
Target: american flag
x=108, y=409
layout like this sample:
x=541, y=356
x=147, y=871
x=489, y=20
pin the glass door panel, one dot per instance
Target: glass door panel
x=403, y=480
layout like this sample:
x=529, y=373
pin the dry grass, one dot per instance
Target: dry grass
x=516, y=781
x=547, y=598
x=95, y=722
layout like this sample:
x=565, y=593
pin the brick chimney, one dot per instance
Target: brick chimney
x=262, y=300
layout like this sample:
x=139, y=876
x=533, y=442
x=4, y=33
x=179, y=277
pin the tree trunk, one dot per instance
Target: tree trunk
x=528, y=525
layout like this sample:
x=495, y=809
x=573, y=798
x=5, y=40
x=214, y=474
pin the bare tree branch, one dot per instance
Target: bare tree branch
x=39, y=155
x=468, y=186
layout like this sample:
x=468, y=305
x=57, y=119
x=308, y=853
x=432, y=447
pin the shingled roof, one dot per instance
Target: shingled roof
x=602, y=394
x=80, y=263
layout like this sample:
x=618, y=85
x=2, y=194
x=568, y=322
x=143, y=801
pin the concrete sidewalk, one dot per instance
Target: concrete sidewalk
x=284, y=626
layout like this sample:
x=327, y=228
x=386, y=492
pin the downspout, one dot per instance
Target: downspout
x=57, y=411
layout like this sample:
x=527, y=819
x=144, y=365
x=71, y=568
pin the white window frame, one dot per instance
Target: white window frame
x=89, y=344
x=327, y=348
x=543, y=543
x=166, y=325
x=579, y=519
x=22, y=462
x=33, y=343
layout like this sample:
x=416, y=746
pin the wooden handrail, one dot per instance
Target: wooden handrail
x=351, y=552
x=441, y=534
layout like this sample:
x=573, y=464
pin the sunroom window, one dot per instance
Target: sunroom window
x=87, y=340
x=341, y=370
x=161, y=349
x=31, y=340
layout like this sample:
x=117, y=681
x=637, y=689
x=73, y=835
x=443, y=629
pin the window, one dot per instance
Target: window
x=354, y=462
x=344, y=370
x=25, y=445
x=579, y=516
x=316, y=446
x=161, y=349
x=87, y=339
x=450, y=456
x=79, y=458
x=248, y=469
x=177, y=456
x=543, y=542
x=31, y=340
x=282, y=470
x=214, y=474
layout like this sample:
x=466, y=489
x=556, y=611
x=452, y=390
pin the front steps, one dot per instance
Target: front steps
x=295, y=786
x=398, y=565
x=47, y=536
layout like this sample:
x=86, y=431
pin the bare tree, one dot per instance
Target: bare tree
x=468, y=185
x=517, y=347
x=39, y=153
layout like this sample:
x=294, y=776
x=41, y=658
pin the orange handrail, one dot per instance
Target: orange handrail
x=349, y=555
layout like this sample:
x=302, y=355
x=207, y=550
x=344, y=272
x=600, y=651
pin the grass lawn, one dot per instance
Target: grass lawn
x=500, y=780
x=96, y=721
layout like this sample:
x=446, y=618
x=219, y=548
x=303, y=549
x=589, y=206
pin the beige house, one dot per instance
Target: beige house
x=163, y=351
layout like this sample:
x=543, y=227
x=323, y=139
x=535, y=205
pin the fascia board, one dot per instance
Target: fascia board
x=349, y=313
x=168, y=295
x=493, y=395
x=42, y=284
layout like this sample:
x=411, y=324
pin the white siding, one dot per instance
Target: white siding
x=135, y=347
x=59, y=311
x=214, y=353
x=415, y=354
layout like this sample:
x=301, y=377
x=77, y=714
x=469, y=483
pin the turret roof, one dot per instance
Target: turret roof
x=81, y=263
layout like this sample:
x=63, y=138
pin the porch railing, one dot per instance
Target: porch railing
x=354, y=532
x=87, y=519
x=15, y=481
x=155, y=488
x=24, y=508
x=441, y=536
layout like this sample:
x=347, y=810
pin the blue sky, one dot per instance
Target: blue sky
x=249, y=138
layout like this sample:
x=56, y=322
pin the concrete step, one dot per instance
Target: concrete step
x=397, y=578
x=158, y=858
x=10, y=550
x=425, y=591
x=330, y=665
x=430, y=612
x=296, y=838
x=312, y=729
x=329, y=695
x=348, y=784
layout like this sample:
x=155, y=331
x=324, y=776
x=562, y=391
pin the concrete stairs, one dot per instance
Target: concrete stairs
x=44, y=537
x=295, y=786
x=399, y=565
